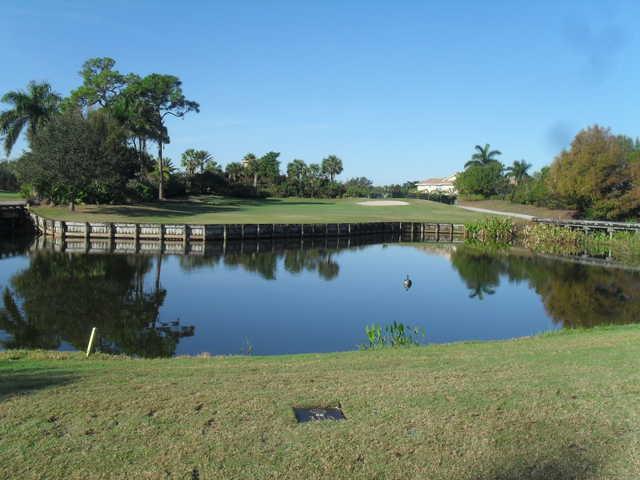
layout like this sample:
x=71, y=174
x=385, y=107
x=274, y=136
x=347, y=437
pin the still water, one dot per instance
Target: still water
x=277, y=298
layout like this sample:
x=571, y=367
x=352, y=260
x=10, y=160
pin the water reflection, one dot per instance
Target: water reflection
x=58, y=298
x=321, y=293
x=574, y=294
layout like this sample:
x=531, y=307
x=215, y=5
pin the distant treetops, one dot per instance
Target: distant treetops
x=598, y=176
x=484, y=175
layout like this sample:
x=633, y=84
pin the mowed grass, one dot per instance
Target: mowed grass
x=559, y=406
x=9, y=196
x=272, y=210
x=506, y=206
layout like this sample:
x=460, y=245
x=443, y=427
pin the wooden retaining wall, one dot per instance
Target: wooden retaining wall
x=184, y=233
x=590, y=225
x=200, y=248
x=14, y=217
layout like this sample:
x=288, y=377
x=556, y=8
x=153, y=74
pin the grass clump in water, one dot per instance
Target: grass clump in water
x=394, y=335
x=495, y=229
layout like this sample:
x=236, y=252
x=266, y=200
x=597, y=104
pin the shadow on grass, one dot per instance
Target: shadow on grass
x=28, y=381
x=570, y=462
x=186, y=208
x=256, y=202
x=575, y=466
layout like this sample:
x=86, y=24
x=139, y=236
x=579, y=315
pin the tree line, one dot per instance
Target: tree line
x=104, y=143
x=93, y=145
x=597, y=176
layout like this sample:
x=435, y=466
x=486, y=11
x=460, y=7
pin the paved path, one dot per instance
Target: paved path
x=12, y=203
x=495, y=212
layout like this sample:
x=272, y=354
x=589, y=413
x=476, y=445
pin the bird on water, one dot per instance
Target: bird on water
x=407, y=283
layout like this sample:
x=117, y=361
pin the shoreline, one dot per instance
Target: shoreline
x=559, y=332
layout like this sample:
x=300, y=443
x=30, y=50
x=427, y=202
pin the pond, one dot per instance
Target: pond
x=296, y=297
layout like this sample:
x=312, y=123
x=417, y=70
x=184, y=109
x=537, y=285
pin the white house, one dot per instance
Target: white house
x=438, y=185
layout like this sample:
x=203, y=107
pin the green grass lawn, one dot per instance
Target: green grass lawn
x=506, y=206
x=9, y=196
x=272, y=210
x=558, y=406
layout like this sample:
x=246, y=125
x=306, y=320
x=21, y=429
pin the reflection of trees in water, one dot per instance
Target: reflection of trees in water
x=262, y=263
x=320, y=260
x=573, y=294
x=10, y=247
x=479, y=270
x=265, y=264
x=24, y=332
x=59, y=298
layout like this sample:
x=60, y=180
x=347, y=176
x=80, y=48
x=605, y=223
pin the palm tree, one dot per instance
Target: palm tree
x=250, y=163
x=518, y=171
x=296, y=171
x=483, y=156
x=332, y=166
x=30, y=108
x=234, y=171
x=194, y=160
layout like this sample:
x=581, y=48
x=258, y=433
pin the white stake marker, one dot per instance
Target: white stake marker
x=91, y=339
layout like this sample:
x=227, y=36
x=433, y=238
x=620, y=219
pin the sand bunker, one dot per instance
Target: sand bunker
x=383, y=203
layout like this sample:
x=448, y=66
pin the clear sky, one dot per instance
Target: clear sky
x=400, y=90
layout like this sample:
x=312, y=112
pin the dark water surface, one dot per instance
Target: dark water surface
x=275, y=298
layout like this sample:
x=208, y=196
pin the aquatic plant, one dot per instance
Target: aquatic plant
x=247, y=347
x=494, y=229
x=543, y=238
x=556, y=240
x=396, y=334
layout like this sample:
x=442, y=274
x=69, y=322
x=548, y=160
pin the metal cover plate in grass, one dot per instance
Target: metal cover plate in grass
x=308, y=414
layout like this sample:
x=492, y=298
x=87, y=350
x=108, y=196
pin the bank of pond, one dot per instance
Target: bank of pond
x=281, y=297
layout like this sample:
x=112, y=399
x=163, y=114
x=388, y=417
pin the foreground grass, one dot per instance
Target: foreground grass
x=506, y=206
x=271, y=210
x=559, y=406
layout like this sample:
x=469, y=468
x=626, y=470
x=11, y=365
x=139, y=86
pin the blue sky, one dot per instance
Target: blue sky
x=398, y=90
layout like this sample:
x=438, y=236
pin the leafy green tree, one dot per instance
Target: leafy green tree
x=358, y=187
x=599, y=175
x=211, y=166
x=269, y=167
x=483, y=156
x=30, y=109
x=332, y=166
x=104, y=87
x=158, y=96
x=535, y=190
x=101, y=84
x=518, y=171
x=8, y=179
x=74, y=158
x=485, y=180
